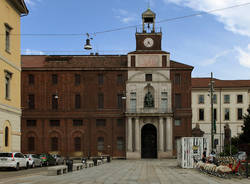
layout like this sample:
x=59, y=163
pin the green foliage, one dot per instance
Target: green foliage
x=245, y=136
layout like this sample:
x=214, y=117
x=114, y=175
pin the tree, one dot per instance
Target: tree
x=245, y=135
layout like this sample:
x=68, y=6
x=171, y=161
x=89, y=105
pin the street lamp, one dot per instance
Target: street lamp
x=211, y=90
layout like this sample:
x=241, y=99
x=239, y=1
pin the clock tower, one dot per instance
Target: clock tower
x=148, y=38
x=149, y=113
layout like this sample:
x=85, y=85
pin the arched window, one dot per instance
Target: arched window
x=100, y=144
x=54, y=144
x=31, y=143
x=6, y=136
x=77, y=141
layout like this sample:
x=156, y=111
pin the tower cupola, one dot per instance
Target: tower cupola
x=148, y=21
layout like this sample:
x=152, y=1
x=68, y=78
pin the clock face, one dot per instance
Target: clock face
x=148, y=42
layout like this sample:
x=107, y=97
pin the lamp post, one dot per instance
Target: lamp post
x=211, y=90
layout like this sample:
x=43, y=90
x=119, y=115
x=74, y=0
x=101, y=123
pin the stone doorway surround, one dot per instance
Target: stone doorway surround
x=164, y=129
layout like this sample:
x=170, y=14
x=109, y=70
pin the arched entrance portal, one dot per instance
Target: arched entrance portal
x=148, y=141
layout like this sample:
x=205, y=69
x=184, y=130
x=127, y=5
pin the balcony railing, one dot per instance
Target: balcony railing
x=149, y=110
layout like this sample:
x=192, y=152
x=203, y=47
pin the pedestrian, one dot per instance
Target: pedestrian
x=211, y=157
x=204, y=155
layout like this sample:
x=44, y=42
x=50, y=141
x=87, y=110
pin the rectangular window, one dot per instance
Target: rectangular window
x=31, y=123
x=132, y=61
x=100, y=122
x=100, y=101
x=177, y=79
x=8, y=77
x=177, y=100
x=77, y=79
x=201, y=99
x=227, y=114
x=54, y=144
x=164, y=101
x=215, y=114
x=77, y=122
x=54, y=79
x=119, y=101
x=55, y=101
x=177, y=122
x=31, y=101
x=226, y=98
x=54, y=123
x=239, y=114
x=119, y=79
x=7, y=37
x=100, y=144
x=201, y=114
x=148, y=77
x=77, y=141
x=100, y=79
x=77, y=101
x=133, y=101
x=31, y=143
x=239, y=98
x=215, y=99
x=120, y=122
x=120, y=143
x=164, y=61
x=31, y=79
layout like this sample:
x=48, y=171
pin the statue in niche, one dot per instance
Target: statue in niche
x=148, y=100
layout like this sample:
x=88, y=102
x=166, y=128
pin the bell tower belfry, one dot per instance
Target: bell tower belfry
x=148, y=37
x=148, y=21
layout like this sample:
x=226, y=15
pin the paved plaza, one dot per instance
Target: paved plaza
x=126, y=172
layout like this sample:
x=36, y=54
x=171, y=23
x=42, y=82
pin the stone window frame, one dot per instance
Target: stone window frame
x=201, y=99
x=225, y=114
x=226, y=100
x=8, y=77
x=237, y=98
x=239, y=117
x=199, y=115
x=100, y=144
x=8, y=30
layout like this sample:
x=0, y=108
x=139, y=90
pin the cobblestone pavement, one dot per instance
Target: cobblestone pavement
x=127, y=172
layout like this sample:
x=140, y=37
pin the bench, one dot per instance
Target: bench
x=104, y=160
x=99, y=162
x=57, y=170
x=77, y=166
x=89, y=163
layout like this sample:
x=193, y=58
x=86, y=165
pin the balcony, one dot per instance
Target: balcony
x=149, y=111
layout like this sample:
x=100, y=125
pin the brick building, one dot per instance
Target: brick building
x=128, y=106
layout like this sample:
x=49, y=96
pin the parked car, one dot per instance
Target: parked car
x=34, y=160
x=13, y=160
x=241, y=155
x=59, y=159
x=47, y=159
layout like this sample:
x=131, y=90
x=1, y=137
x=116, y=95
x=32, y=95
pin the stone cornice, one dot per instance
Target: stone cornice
x=10, y=63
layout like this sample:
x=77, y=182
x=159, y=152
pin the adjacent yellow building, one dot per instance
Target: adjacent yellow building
x=10, y=74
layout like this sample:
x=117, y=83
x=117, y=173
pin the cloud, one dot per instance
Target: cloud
x=32, y=2
x=234, y=20
x=124, y=16
x=33, y=52
x=216, y=58
x=244, y=56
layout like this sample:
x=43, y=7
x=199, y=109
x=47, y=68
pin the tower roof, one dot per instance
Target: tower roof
x=148, y=13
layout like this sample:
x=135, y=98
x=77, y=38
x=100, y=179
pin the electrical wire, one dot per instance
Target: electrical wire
x=134, y=26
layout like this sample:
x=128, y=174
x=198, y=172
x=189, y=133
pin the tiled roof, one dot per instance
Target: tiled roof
x=175, y=64
x=40, y=61
x=203, y=83
x=68, y=61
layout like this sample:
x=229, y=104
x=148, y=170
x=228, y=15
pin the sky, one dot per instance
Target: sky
x=214, y=41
